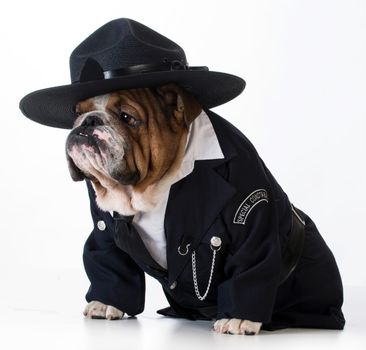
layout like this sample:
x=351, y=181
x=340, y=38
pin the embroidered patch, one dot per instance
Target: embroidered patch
x=248, y=204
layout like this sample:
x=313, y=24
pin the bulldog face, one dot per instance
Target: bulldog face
x=129, y=143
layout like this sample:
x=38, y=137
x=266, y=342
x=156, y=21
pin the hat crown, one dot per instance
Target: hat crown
x=120, y=44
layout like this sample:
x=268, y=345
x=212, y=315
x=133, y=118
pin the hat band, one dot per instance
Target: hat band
x=149, y=68
x=93, y=71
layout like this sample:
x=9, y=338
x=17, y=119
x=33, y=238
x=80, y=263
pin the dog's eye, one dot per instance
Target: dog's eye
x=76, y=111
x=128, y=119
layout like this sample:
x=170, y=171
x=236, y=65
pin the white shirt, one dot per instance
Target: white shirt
x=202, y=144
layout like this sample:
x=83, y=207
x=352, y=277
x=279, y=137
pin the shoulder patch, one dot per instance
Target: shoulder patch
x=248, y=204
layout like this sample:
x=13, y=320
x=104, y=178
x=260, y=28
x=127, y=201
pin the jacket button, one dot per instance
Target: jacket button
x=173, y=285
x=215, y=242
x=101, y=225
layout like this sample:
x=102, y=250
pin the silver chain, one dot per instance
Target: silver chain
x=194, y=272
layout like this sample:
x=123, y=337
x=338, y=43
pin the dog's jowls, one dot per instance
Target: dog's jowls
x=130, y=144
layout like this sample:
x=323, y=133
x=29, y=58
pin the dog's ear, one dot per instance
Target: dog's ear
x=185, y=106
x=75, y=172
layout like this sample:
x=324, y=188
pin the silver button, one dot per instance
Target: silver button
x=215, y=242
x=173, y=285
x=101, y=225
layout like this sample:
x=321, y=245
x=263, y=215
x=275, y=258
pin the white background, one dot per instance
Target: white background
x=303, y=108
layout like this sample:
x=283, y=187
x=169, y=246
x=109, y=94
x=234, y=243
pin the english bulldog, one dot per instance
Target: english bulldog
x=130, y=144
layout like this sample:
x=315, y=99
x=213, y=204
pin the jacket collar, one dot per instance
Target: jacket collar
x=194, y=203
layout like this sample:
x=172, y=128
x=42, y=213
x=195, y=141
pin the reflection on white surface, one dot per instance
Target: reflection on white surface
x=43, y=310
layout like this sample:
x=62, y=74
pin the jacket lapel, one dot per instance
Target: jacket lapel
x=193, y=205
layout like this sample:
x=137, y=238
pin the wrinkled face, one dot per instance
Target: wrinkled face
x=129, y=138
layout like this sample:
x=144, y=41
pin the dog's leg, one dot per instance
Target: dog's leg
x=237, y=326
x=96, y=309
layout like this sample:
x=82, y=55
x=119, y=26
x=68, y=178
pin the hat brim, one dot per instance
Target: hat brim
x=54, y=106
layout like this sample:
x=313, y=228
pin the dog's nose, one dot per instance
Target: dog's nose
x=92, y=120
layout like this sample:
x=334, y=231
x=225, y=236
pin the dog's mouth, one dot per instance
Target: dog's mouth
x=87, y=153
x=87, y=137
x=98, y=153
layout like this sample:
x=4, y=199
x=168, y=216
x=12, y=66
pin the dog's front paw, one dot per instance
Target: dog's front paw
x=96, y=309
x=236, y=326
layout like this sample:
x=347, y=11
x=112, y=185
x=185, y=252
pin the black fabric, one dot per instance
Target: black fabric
x=127, y=238
x=120, y=55
x=312, y=296
x=293, y=248
x=248, y=269
x=110, y=269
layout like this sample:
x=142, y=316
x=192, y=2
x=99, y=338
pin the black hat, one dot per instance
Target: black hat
x=125, y=54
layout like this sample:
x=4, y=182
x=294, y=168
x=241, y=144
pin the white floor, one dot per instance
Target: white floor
x=43, y=310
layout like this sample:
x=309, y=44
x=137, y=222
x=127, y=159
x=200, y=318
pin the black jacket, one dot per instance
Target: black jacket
x=238, y=200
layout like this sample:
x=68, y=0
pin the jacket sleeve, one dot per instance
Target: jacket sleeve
x=253, y=266
x=252, y=270
x=115, y=278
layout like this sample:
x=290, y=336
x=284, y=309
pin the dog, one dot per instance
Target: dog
x=130, y=145
x=179, y=193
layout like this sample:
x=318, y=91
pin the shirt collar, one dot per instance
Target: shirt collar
x=202, y=144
